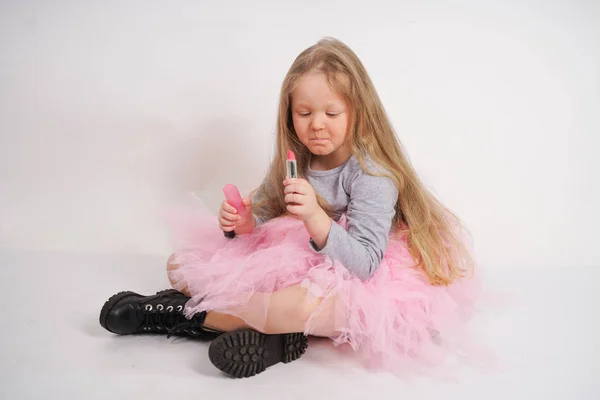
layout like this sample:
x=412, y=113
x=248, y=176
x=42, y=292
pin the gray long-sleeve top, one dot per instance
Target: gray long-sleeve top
x=369, y=203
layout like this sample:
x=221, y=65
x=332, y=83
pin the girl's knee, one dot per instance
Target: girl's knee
x=176, y=284
x=300, y=304
x=171, y=265
x=308, y=306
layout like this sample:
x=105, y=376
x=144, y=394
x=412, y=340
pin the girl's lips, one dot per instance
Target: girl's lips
x=319, y=141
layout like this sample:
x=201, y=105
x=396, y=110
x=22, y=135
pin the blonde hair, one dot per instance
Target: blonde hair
x=431, y=230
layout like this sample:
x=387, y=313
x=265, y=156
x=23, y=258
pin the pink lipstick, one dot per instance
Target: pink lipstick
x=291, y=165
x=233, y=197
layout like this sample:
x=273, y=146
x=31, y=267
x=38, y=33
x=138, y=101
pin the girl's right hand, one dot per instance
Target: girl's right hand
x=230, y=219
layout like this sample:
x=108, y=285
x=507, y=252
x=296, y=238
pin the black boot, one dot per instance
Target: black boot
x=245, y=353
x=128, y=313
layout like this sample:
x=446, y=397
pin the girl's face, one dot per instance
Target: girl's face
x=320, y=119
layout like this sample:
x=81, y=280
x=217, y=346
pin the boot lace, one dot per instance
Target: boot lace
x=161, y=318
x=192, y=327
x=172, y=320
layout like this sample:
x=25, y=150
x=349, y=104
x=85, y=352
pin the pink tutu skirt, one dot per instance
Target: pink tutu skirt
x=395, y=320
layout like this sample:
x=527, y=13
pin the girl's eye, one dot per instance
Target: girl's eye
x=329, y=114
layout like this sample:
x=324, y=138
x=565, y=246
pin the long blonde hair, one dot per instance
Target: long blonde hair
x=431, y=230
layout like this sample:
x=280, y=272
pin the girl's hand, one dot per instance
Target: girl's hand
x=301, y=199
x=230, y=219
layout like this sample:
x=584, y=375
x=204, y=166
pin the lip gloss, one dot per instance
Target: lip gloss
x=291, y=165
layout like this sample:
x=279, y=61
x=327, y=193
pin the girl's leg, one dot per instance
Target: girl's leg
x=214, y=320
x=287, y=312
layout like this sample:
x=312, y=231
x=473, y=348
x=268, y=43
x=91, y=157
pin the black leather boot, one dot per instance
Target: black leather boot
x=245, y=353
x=128, y=313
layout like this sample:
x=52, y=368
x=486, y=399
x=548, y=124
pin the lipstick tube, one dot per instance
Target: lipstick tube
x=291, y=165
x=233, y=197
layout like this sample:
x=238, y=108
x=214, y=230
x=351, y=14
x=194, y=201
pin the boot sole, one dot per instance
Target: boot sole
x=113, y=300
x=246, y=353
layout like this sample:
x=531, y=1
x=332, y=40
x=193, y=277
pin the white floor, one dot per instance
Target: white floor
x=546, y=335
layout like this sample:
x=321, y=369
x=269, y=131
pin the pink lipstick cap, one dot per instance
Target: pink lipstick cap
x=232, y=194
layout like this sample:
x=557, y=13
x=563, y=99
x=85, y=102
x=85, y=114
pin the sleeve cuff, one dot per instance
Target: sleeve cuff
x=314, y=247
x=331, y=237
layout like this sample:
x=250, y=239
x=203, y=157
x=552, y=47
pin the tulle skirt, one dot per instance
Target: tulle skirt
x=395, y=320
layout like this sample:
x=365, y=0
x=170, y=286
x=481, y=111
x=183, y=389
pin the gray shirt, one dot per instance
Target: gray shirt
x=369, y=204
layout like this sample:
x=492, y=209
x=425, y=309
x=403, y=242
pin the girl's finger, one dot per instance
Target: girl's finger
x=288, y=189
x=226, y=222
x=295, y=198
x=293, y=209
x=225, y=206
x=230, y=217
x=296, y=188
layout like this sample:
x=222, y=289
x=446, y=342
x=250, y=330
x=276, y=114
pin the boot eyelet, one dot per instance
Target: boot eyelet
x=159, y=307
x=179, y=308
x=169, y=308
x=148, y=307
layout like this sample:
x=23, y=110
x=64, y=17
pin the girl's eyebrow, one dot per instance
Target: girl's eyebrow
x=330, y=104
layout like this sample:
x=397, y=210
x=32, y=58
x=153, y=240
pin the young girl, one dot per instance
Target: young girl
x=354, y=249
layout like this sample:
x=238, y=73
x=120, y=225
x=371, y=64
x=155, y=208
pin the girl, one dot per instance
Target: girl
x=354, y=249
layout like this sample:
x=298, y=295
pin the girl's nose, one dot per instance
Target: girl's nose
x=317, y=122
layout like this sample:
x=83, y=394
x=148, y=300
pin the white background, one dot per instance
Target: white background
x=112, y=111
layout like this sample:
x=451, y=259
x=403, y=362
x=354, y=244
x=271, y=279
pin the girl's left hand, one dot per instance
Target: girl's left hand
x=301, y=198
